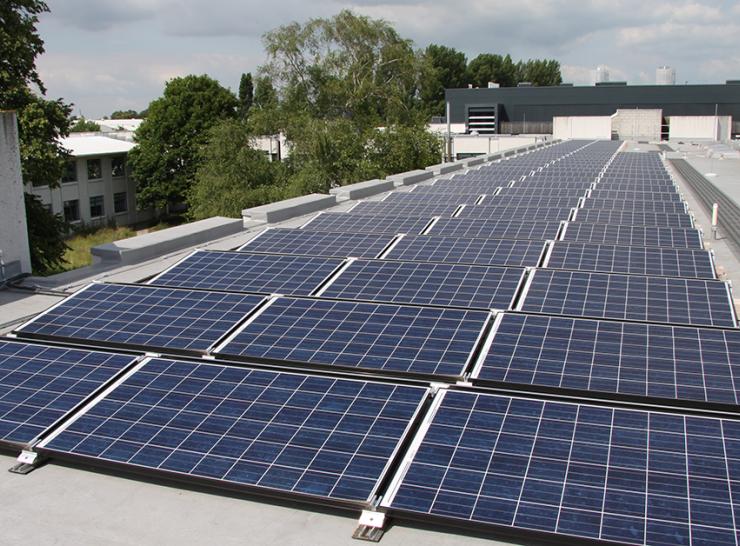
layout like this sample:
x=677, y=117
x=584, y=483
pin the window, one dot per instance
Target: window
x=72, y=210
x=70, y=171
x=94, y=169
x=117, y=166
x=96, y=206
x=120, y=202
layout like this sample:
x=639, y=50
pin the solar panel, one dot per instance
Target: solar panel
x=614, y=474
x=144, y=316
x=391, y=338
x=419, y=197
x=318, y=243
x=495, y=229
x=663, y=262
x=40, y=384
x=634, y=218
x=361, y=223
x=541, y=201
x=670, y=196
x=530, y=213
x=242, y=272
x=629, y=297
x=427, y=284
x=604, y=356
x=621, y=204
x=384, y=208
x=632, y=235
x=320, y=437
x=429, y=248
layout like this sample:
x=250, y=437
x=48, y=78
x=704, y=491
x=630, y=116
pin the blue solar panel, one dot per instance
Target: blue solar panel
x=495, y=229
x=429, y=248
x=616, y=204
x=605, y=356
x=242, y=272
x=427, y=210
x=277, y=432
x=418, y=197
x=635, y=218
x=318, y=243
x=541, y=201
x=427, y=284
x=630, y=297
x=636, y=195
x=632, y=235
x=392, y=338
x=530, y=213
x=664, y=262
x=40, y=384
x=361, y=223
x=579, y=470
x=144, y=316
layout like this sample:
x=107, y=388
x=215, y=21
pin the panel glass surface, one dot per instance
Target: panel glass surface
x=392, y=338
x=622, y=475
x=630, y=297
x=145, y=316
x=361, y=223
x=633, y=235
x=291, y=433
x=318, y=243
x=40, y=384
x=243, y=272
x=495, y=229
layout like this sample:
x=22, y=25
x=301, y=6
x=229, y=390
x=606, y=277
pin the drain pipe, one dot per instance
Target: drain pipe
x=3, y=277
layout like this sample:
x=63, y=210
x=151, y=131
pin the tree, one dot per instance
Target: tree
x=265, y=95
x=540, y=72
x=348, y=66
x=489, y=67
x=403, y=148
x=83, y=125
x=166, y=158
x=246, y=94
x=444, y=68
x=125, y=114
x=232, y=174
x=41, y=123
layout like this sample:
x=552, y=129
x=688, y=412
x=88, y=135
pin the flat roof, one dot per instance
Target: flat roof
x=90, y=145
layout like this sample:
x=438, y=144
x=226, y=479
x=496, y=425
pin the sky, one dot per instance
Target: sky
x=107, y=55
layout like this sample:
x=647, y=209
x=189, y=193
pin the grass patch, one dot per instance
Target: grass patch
x=79, y=245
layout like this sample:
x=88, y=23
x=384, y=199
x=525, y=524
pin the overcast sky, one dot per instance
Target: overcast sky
x=106, y=55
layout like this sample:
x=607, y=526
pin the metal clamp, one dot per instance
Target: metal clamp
x=370, y=526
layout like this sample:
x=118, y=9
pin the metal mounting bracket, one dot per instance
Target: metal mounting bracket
x=370, y=526
x=27, y=462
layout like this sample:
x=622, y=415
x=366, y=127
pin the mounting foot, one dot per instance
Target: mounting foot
x=27, y=462
x=370, y=526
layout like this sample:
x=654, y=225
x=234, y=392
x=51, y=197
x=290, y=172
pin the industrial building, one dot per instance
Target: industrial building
x=532, y=110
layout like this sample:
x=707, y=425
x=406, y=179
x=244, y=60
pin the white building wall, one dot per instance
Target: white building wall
x=596, y=127
x=635, y=124
x=13, y=228
x=470, y=145
x=699, y=127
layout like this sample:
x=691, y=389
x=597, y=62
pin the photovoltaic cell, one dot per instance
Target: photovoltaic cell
x=242, y=272
x=361, y=223
x=632, y=235
x=635, y=218
x=630, y=297
x=495, y=229
x=392, y=338
x=604, y=356
x=615, y=204
x=427, y=210
x=664, y=262
x=144, y=316
x=40, y=384
x=318, y=243
x=279, y=432
x=623, y=475
x=427, y=284
x=429, y=248
x=506, y=213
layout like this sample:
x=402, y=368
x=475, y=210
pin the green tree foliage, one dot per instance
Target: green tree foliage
x=490, y=67
x=232, y=174
x=265, y=96
x=401, y=148
x=41, y=123
x=20, y=44
x=44, y=229
x=348, y=66
x=444, y=68
x=166, y=158
x=540, y=72
x=83, y=125
x=246, y=94
x=126, y=114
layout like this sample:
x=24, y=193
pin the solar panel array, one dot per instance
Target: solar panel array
x=571, y=271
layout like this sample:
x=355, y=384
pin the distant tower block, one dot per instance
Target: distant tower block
x=665, y=75
x=600, y=75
